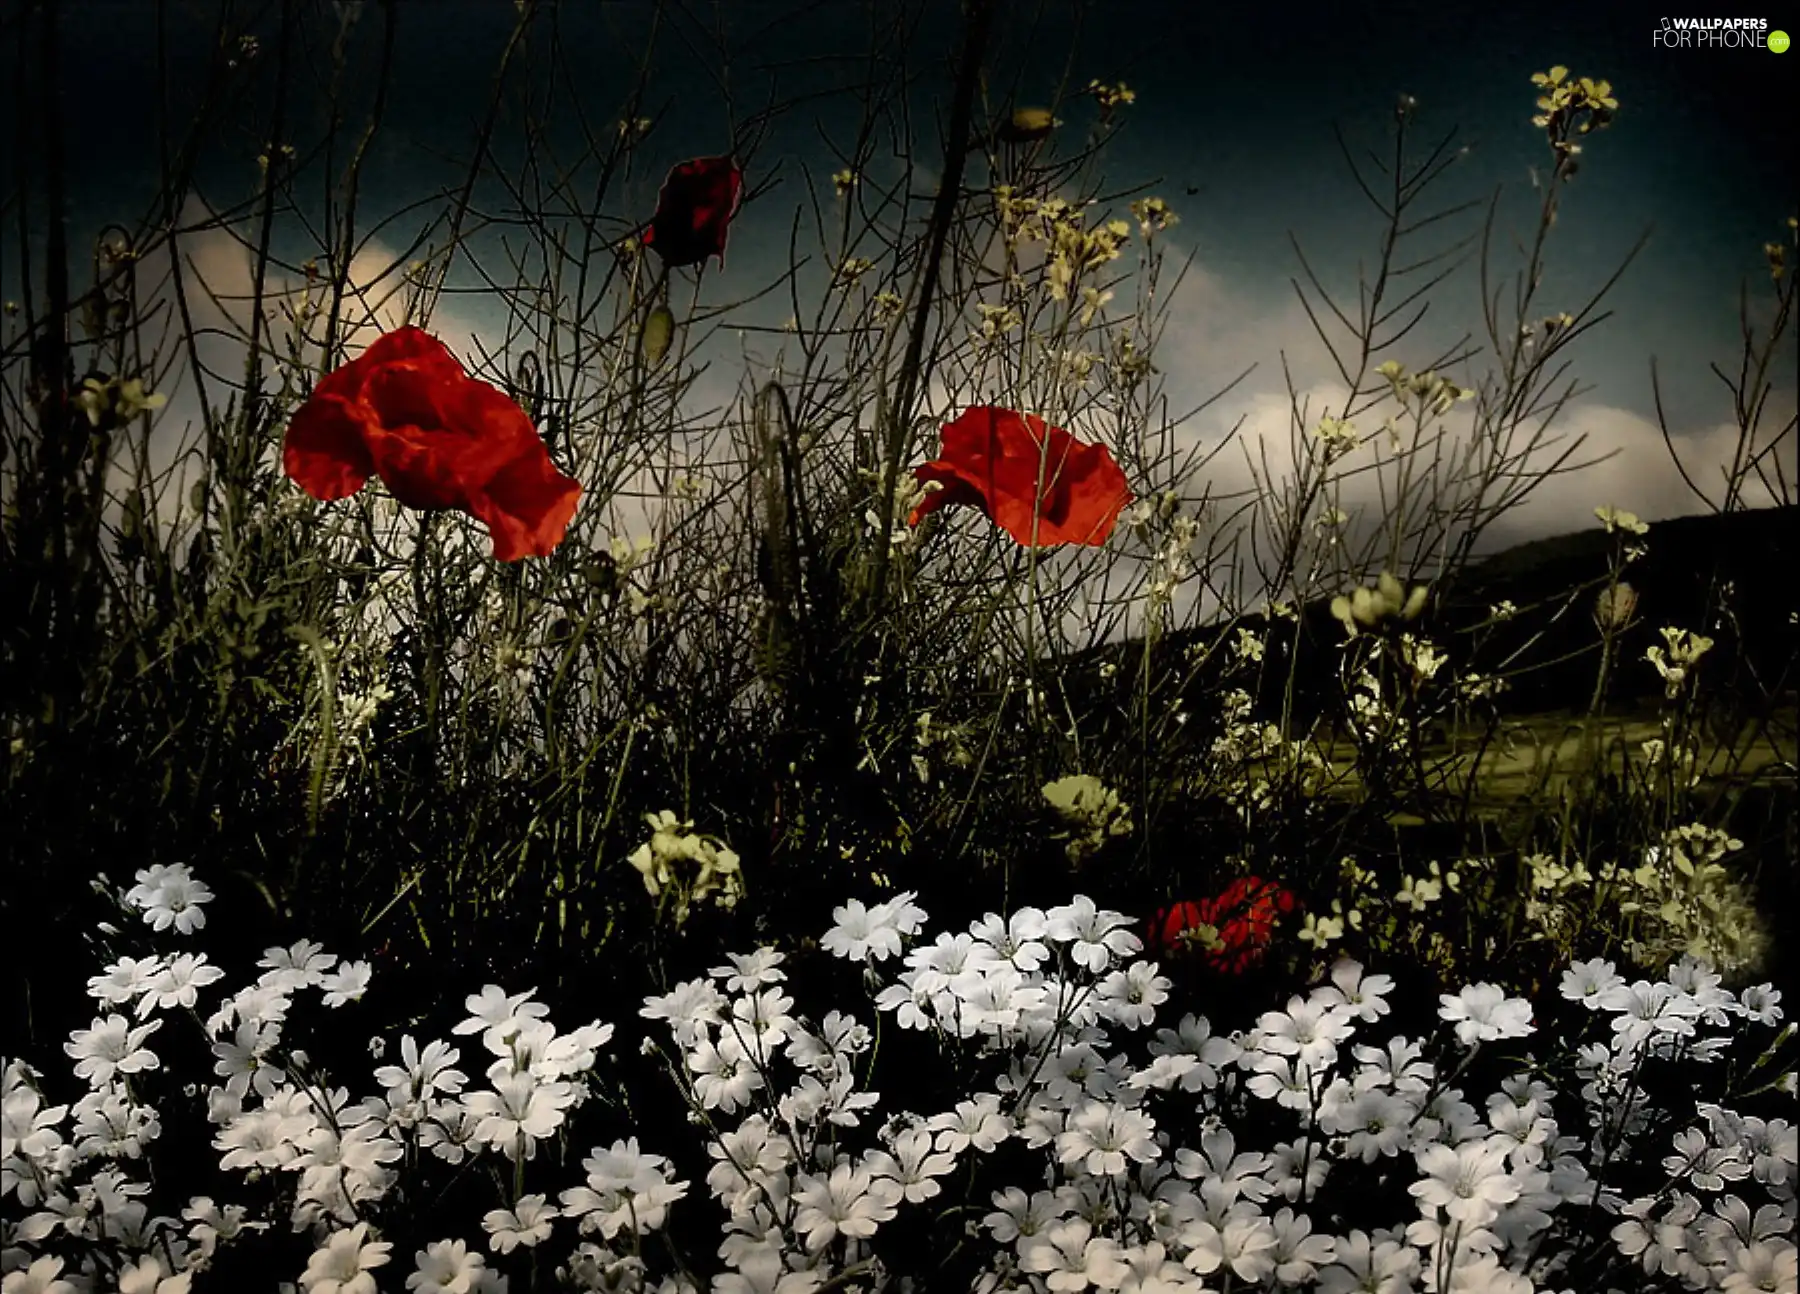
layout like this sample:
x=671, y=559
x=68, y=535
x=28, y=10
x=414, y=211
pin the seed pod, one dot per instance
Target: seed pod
x=658, y=332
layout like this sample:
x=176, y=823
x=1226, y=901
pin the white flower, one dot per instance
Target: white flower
x=1644, y=1010
x=1483, y=1013
x=1278, y=1079
x=346, y=984
x=1018, y=939
x=27, y=1129
x=851, y=1201
x=750, y=971
x=1101, y=1137
x=912, y=1165
x=1298, y=1253
x=1218, y=1166
x=627, y=1191
x=1245, y=1244
x=1365, y=1266
x=1374, y=1123
x=750, y=1157
x=1468, y=1182
x=1366, y=995
x=1761, y=1003
x=1017, y=1214
x=1148, y=1270
x=1590, y=982
x=723, y=1075
x=125, y=979
x=690, y=1007
x=420, y=1076
x=839, y=1037
x=860, y=933
x=178, y=983
x=1763, y=1267
x=111, y=1047
x=519, y=1112
x=259, y=1139
x=170, y=896
x=499, y=1017
x=1193, y=1037
x=1308, y=1030
x=298, y=967
x=44, y=1276
x=977, y=1122
x=344, y=1264
x=243, y=1061
x=1070, y=1258
x=1095, y=937
x=150, y=1275
x=1130, y=997
x=1296, y=1168
x=761, y=1022
x=449, y=1266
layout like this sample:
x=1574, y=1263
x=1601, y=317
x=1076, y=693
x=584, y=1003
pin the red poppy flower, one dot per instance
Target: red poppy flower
x=1243, y=918
x=993, y=459
x=405, y=410
x=694, y=211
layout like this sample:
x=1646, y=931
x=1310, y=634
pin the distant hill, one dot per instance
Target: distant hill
x=1731, y=577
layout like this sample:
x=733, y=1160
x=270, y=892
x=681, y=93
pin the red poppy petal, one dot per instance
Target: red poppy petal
x=324, y=451
x=527, y=507
x=1036, y=482
x=407, y=411
x=437, y=442
x=955, y=490
x=694, y=210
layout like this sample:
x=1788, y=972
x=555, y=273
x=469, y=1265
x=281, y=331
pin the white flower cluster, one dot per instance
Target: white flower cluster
x=1083, y=1147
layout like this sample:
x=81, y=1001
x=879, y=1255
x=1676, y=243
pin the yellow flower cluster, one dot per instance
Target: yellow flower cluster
x=677, y=861
x=1091, y=811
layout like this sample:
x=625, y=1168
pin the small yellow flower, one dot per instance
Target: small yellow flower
x=1617, y=519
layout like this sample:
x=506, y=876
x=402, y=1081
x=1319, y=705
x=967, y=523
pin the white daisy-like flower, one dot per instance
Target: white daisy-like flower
x=170, y=896
x=1589, y=982
x=346, y=984
x=1364, y=994
x=288, y=970
x=125, y=980
x=690, y=1008
x=750, y=971
x=1469, y=1182
x=912, y=1165
x=111, y=1047
x=345, y=1263
x=851, y=1201
x=1104, y=1138
x=178, y=984
x=1095, y=937
x=520, y=1112
x=1483, y=1013
x=1070, y=1257
x=1019, y=939
x=976, y=1122
x=447, y=1267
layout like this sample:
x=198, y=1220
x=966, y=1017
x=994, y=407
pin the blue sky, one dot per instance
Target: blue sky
x=1235, y=103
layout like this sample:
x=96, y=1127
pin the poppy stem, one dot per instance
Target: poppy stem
x=943, y=212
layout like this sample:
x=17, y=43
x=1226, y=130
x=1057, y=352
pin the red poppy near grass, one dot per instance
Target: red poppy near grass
x=1243, y=917
x=694, y=211
x=993, y=459
x=405, y=410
